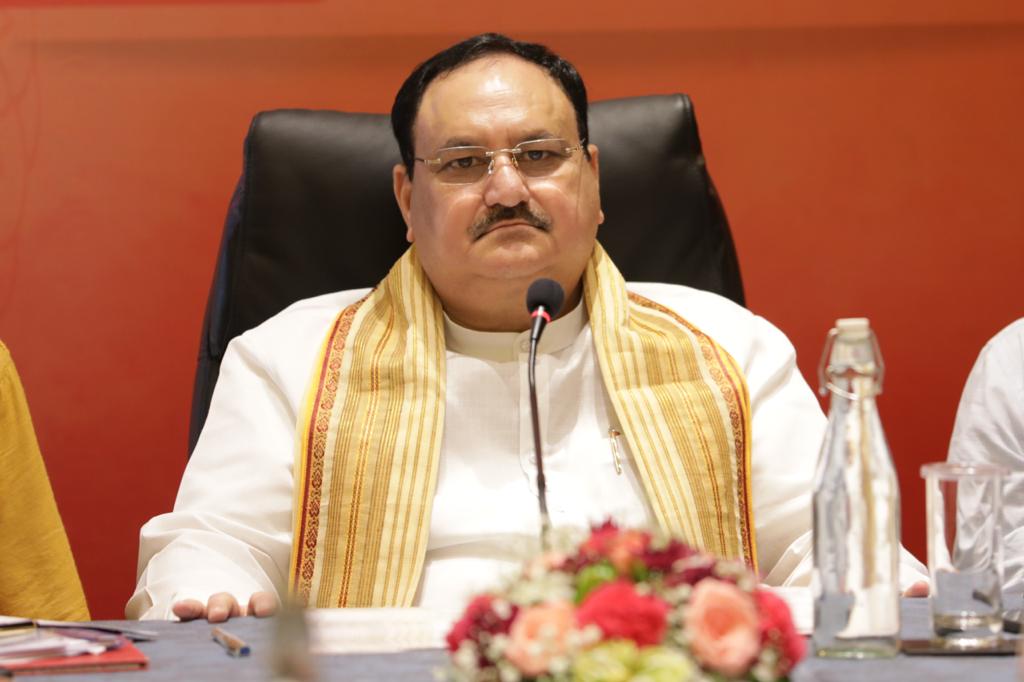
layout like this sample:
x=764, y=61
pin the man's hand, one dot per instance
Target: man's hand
x=918, y=589
x=223, y=606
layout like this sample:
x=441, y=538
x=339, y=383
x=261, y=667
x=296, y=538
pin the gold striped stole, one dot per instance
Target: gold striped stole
x=369, y=435
x=685, y=411
x=370, y=438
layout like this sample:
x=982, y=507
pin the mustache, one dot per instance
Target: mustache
x=519, y=213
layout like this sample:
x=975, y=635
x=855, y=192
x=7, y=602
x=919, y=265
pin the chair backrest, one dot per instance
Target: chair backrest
x=314, y=212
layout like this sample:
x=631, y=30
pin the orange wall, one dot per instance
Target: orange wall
x=870, y=158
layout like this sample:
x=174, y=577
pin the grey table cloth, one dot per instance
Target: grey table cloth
x=185, y=651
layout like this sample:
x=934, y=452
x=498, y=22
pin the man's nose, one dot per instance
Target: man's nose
x=504, y=185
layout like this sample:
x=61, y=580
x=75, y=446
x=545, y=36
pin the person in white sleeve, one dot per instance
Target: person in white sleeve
x=989, y=429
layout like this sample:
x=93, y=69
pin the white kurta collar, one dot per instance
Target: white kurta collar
x=506, y=346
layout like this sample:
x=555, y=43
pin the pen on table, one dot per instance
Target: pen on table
x=232, y=644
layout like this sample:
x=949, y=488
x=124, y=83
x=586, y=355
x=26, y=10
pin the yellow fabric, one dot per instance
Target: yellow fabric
x=38, y=578
x=684, y=409
x=370, y=433
x=371, y=436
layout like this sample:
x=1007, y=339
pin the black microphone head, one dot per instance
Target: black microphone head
x=545, y=292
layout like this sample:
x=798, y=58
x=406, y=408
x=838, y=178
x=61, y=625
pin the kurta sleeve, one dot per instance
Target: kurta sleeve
x=989, y=429
x=38, y=578
x=231, y=526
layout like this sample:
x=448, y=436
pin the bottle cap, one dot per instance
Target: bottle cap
x=853, y=325
x=853, y=329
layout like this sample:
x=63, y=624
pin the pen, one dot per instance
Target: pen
x=613, y=435
x=232, y=644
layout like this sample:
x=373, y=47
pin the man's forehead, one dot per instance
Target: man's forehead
x=499, y=94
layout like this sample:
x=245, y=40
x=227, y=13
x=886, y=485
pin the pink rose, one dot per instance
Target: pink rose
x=538, y=635
x=543, y=563
x=778, y=631
x=622, y=613
x=723, y=625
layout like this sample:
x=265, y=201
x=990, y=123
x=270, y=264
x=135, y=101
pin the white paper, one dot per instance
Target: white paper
x=39, y=644
x=349, y=631
x=801, y=605
x=14, y=621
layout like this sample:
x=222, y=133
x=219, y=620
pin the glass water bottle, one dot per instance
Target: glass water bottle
x=856, y=506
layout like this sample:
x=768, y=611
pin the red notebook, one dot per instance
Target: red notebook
x=124, y=657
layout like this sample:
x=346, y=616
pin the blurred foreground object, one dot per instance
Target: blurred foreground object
x=290, y=659
x=625, y=605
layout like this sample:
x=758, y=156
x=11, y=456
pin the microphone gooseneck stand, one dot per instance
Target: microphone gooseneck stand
x=543, y=299
x=542, y=486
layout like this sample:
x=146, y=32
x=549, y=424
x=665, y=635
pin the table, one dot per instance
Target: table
x=185, y=651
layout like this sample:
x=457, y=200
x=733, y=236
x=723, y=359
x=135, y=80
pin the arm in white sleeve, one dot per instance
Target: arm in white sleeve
x=787, y=427
x=230, y=530
x=989, y=429
x=231, y=527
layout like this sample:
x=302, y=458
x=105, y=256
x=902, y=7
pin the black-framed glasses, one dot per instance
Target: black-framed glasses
x=466, y=165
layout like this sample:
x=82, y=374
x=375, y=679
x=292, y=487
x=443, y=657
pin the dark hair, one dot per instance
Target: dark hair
x=407, y=101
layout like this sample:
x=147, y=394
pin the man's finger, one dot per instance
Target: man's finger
x=221, y=607
x=918, y=589
x=189, y=609
x=262, y=604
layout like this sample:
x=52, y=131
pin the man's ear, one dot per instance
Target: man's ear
x=403, y=195
x=595, y=167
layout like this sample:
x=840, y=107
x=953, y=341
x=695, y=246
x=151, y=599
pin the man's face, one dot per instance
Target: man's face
x=469, y=242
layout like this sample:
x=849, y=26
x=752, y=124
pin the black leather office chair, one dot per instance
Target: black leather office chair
x=314, y=213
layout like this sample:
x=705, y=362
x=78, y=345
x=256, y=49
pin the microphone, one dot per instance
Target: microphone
x=543, y=299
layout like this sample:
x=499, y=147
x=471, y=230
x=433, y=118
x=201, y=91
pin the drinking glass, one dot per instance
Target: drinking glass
x=965, y=552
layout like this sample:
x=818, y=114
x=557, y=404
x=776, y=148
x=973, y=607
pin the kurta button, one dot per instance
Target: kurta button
x=524, y=346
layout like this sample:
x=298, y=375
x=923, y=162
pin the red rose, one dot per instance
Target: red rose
x=778, y=631
x=478, y=618
x=663, y=559
x=599, y=538
x=621, y=613
x=696, y=569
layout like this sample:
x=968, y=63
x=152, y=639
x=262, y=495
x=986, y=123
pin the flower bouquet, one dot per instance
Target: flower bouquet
x=625, y=606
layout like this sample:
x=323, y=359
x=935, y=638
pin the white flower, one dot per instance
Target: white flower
x=466, y=656
x=508, y=672
x=502, y=609
x=546, y=587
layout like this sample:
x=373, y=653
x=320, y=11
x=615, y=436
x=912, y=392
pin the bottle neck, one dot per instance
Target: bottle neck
x=852, y=386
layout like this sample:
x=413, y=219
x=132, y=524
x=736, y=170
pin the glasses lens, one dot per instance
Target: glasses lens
x=460, y=165
x=538, y=158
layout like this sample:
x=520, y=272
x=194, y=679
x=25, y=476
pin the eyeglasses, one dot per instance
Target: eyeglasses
x=466, y=165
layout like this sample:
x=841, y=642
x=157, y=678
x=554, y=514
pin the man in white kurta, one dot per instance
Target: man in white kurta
x=231, y=528
x=487, y=217
x=989, y=429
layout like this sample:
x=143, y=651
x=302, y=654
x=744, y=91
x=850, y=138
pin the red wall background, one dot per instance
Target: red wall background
x=870, y=158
